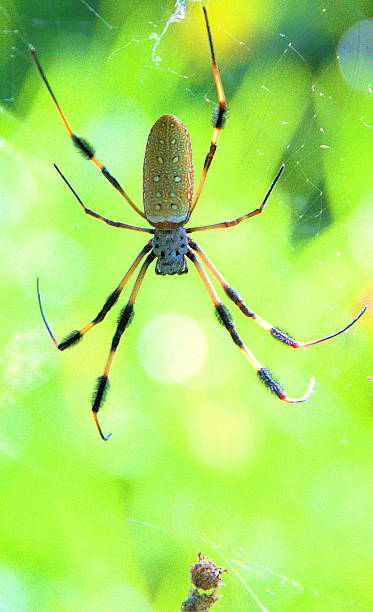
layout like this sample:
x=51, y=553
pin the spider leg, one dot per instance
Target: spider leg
x=53, y=338
x=97, y=216
x=124, y=320
x=218, y=119
x=82, y=145
x=77, y=335
x=277, y=333
x=225, y=318
x=253, y=213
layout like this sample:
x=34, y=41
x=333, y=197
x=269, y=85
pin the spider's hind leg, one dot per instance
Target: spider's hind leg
x=80, y=143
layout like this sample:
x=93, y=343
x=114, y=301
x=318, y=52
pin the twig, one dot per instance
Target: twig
x=206, y=581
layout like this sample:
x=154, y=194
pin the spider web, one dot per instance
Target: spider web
x=303, y=154
x=305, y=172
x=261, y=584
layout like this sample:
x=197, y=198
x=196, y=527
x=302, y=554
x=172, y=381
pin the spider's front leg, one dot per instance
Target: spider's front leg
x=277, y=333
x=226, y=319
x=78, y=334
x=124, y=320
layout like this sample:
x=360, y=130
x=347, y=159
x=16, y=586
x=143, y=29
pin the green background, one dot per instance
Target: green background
x=202, y=457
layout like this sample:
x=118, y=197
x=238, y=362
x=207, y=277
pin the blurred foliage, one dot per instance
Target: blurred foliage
x=201, y=457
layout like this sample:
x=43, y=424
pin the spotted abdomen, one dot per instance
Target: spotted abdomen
x=168, y=174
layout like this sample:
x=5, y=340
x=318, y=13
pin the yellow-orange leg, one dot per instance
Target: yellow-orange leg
x=88, y=211
x=123, y=322
x=82, y=145
x=274, y=331
x=226, y=319
x=77, y=335
x=218, y=119
x=253, y=213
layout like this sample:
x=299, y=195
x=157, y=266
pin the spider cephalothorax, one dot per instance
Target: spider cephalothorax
x=170, y=248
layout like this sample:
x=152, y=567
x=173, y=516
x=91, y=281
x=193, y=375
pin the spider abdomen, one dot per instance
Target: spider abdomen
x=170, y=247
x=168, y=174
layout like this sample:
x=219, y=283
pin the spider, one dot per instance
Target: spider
x=168, y=204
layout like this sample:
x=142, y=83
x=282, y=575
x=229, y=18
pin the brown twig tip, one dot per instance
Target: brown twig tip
x=206, y=580
x=205, y=574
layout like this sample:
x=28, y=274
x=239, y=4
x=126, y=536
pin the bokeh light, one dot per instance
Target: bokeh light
x=355, y=52
x=172, y=348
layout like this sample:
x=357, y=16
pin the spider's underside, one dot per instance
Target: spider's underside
x=168, y=204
